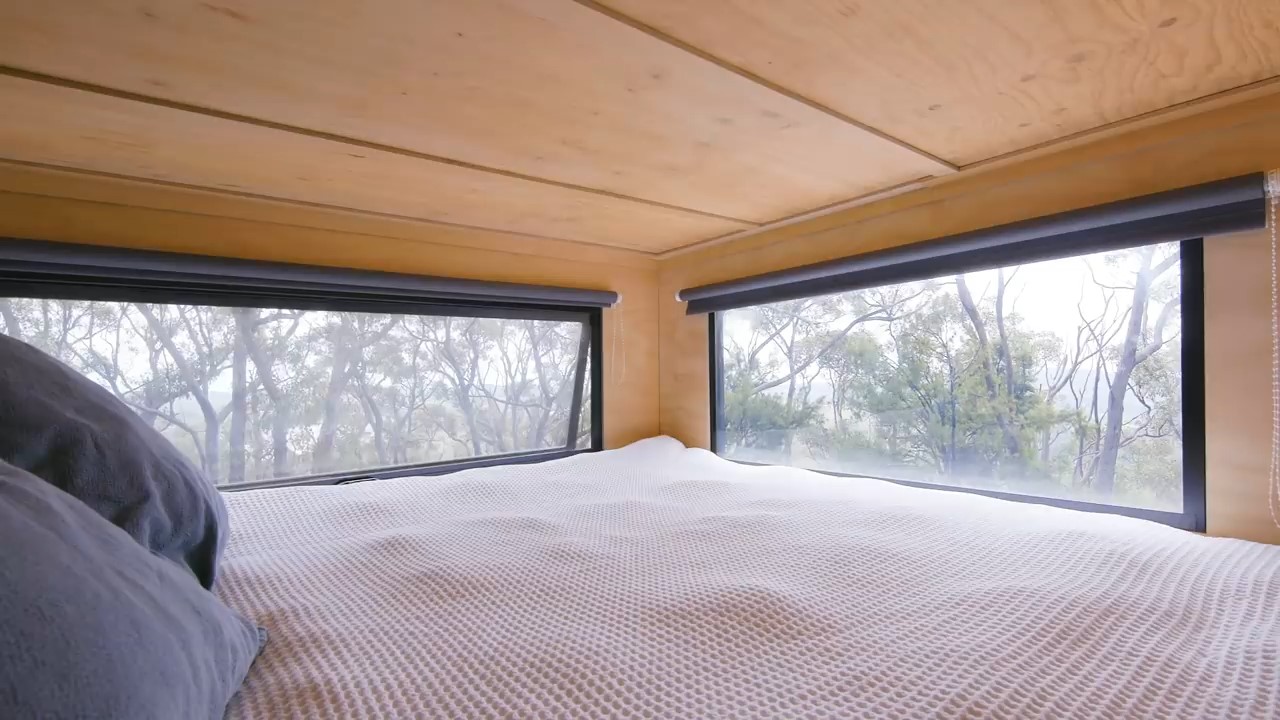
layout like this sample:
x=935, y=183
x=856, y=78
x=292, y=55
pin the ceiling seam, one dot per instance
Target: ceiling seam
x=19, y=73
x=1168, y=113
x=286, y=201
x=813, y=214
x=1207, y=103
x=945, y=166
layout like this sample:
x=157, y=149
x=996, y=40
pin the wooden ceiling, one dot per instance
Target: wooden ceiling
x=643, y=124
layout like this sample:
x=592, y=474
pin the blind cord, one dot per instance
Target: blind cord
x=1273, y=484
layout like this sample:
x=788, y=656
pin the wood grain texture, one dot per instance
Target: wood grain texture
x=631, y=397
x=1218, y=144
x=545, y=88
x=971, y=80
x=59, y=126
x=1250, y=100
x=1237, y=340
x=111, y=190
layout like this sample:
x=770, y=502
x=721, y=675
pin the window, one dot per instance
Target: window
x=1075, y=381
x=259, y=391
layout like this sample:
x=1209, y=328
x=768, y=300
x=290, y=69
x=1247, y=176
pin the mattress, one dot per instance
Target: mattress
x=657, y=581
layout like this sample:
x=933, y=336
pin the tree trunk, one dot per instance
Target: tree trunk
x=463, y=397
x=461, y=387
x=322, y=456
x=1003, y=354
x=257, y=450
x=247, y=325
x=1105, y=478
x=12, y=327
x=239, y=412
x=954, y=420
x=196, y=385
x=404, y=425
x=837, y=401
x=374, y=416
x=1013, y=446
x=538, y=430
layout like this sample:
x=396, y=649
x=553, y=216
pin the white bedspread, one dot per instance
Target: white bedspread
x=660, y=582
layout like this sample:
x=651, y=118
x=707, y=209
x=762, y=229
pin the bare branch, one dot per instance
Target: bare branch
x=1158, y=339
x=876, y=314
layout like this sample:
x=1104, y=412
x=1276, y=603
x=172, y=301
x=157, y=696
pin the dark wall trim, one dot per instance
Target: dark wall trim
x=715, y=337
x=590, y=354
x=424, y=469
x=1224, y=206
x=36, y=261
x=1182, y=521
x=596, y=324
x=579, y=386
x=1194, y=425
x=176, y=293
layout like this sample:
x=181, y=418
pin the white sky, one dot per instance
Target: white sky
x=1045, y=294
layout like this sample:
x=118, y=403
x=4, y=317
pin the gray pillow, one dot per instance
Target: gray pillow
x=65, y=429
x=94, y=626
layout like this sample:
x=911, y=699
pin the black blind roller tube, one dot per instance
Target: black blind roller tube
x=38, y=262
x=1213, y=208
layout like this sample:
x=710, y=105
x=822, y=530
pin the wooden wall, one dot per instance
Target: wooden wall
x=659, y=341
x=51, y=205
x=1237, y=341
x=1197, y=148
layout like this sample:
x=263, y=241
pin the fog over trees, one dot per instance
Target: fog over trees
x=253, y=394
x=1061, y=378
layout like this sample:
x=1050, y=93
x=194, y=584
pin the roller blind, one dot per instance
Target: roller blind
x=34, y=263
x=1223, y=206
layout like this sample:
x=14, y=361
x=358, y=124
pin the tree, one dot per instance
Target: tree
x=1140, y=343
x=999, y=393
x=248, y=393
x=12, y=326
x=249, y=326
x=202, y=360
x=952, y=380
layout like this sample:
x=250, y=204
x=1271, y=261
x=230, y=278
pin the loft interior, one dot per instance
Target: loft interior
x=650, y=126
x=565, y=358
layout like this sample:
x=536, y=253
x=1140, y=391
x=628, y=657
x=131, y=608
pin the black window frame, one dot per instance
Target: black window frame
x=109, y=288
x=1194, y=503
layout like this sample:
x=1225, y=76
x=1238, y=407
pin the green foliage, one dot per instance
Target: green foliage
x=764, y=421
x=921, y=381
x=259, y=393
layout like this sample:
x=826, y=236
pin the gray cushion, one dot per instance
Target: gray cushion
x=69, y=431
x=92, y=625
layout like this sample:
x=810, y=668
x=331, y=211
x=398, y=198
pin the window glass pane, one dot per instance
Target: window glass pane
x=583, y=439
x=256, y=394
x=1059, y=379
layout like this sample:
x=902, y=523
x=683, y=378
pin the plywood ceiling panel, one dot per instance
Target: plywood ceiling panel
x=973, y=79
x=48, y=124
x=545, y=88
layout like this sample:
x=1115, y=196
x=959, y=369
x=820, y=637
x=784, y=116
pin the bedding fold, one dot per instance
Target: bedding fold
x=657, y=581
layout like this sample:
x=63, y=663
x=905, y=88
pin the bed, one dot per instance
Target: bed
x=656, y=581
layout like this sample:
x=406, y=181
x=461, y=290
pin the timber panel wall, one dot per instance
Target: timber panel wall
x=1217, y=144
x=47, y=205
x=75, y=207
x=645, y=124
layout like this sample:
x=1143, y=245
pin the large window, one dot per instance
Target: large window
x=1075, y=380
x=258, y=392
